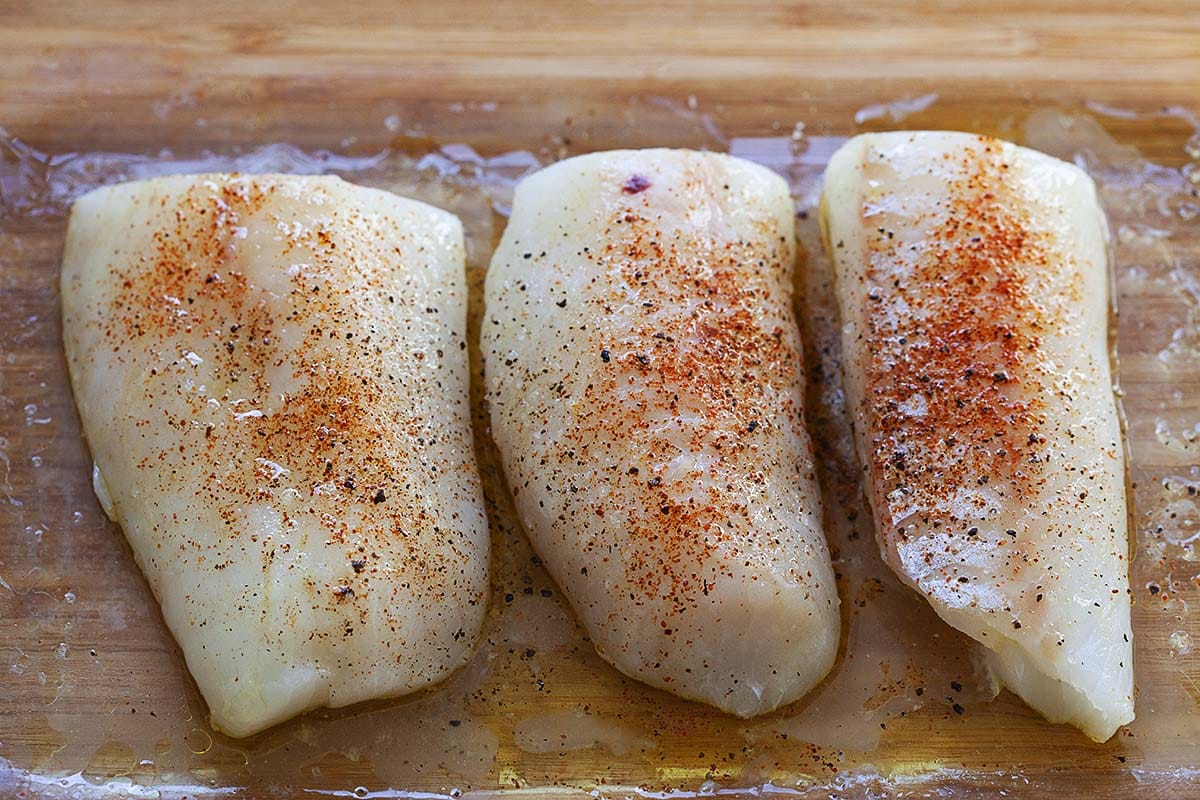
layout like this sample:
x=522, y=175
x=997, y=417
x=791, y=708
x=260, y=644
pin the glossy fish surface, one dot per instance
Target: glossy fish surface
x=972, y=277
x=272, y=378
x=644, y=378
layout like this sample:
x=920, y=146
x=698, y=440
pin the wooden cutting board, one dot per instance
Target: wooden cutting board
x=451, y=102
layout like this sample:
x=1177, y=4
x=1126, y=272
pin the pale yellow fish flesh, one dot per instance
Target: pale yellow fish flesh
x=644, y=376
x=973, y=282
x=272, y=377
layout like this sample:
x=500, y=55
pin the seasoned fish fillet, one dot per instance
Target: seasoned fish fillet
x=644, y=378
x=271, y=374
x=973, y=281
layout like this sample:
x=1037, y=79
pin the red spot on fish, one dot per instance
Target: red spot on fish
x=636, y=184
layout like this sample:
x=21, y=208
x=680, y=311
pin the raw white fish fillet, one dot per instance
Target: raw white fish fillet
x=644, y=376
x=973, y=281
x=272, y=377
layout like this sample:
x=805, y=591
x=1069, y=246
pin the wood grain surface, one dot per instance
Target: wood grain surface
x=315, y=72
x=551, y=78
